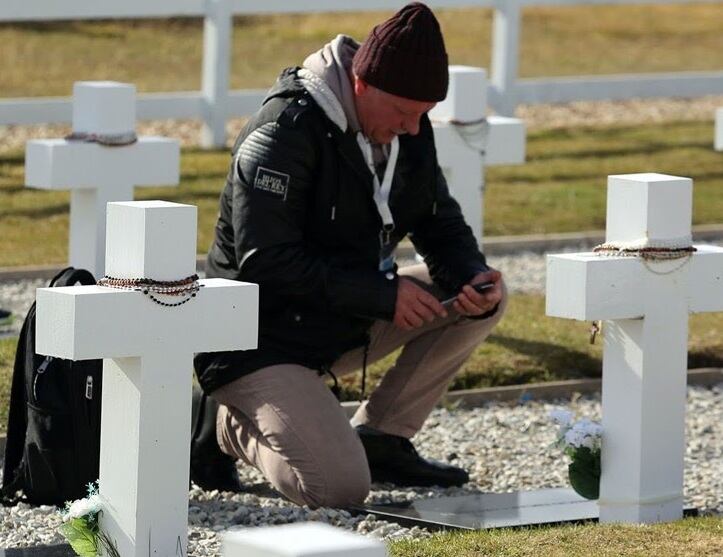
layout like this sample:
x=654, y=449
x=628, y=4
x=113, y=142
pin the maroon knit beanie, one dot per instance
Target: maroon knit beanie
x=405, y=56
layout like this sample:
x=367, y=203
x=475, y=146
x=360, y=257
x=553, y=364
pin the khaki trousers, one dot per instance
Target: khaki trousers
x=285, y=421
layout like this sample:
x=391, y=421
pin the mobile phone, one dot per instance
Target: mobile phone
x=480, y=287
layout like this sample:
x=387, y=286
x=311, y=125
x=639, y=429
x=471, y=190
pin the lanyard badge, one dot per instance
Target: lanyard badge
x=381, y=199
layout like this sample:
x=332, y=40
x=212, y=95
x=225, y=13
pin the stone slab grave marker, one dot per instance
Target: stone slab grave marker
x=304, y=539
x=467, y=140
x=645, y=305
x=96, y=173
x=147, y=368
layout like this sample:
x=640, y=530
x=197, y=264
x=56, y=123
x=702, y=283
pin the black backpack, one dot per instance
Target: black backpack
x=53, y=437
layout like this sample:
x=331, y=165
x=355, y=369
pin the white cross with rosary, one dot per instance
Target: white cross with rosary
x=148, y=350
x=101, y=161
x=644, y=281
x=468, y=141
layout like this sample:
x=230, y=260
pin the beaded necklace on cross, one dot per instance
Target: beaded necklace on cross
x=187, y=287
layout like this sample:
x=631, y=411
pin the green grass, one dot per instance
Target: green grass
x=40, y=59
x=561, y=187
x=693, y=537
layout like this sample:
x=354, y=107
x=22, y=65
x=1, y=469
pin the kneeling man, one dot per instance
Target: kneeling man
x=333, y=171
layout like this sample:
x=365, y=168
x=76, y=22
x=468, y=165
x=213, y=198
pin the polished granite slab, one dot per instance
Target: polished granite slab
x=492, y=510
x=62, y=550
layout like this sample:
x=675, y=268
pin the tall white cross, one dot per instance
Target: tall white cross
x=719, y=129
x=147, y=370
x=645, y=305
x=496, y=140
x=303, y=539
x=97, y=174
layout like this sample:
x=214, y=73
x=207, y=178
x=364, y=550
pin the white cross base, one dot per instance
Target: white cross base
x=97, y=174
x=147, y=368
x=645, y=305
x=305, y=539
x=462, y=164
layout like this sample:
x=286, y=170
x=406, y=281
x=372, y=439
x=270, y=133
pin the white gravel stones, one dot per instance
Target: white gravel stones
x=504, y=446
x=17, y=297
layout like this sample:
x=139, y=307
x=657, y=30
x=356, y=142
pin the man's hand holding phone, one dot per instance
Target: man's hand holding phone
x=416, y=306
x=481, y=295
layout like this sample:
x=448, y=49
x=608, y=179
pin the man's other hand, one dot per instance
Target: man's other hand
x=415, y=306
x=469, y=302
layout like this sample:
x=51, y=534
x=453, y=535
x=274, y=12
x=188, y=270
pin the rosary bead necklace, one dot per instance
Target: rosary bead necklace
x=187, y=287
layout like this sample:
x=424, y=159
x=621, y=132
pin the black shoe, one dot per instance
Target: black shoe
x=210, y=467
x=216, y=471
x=395, y=460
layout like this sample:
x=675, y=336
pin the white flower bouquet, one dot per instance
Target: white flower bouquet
x=581, y=441
x=80, y=526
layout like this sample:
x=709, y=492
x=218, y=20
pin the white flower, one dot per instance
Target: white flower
x=83, y=507
x=574, y=438
x=561, y=416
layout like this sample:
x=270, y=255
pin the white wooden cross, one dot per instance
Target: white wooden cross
x=645, y=305
x=719, y=129
x=97, y=174
x=147, y=370
x=502, y=140
x=304, y=539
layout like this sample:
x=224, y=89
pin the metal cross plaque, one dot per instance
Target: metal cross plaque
x=482, y=511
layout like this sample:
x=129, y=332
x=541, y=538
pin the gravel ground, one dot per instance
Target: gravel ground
x=505, y=447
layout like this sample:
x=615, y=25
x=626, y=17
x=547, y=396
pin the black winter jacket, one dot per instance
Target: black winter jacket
x=297, y=217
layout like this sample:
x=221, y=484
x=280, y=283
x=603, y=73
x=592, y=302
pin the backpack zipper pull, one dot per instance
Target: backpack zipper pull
x=89, y=387
x=44, y=364
x=41, y=369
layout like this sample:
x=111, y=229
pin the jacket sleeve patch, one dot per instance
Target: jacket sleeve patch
x=272, y=182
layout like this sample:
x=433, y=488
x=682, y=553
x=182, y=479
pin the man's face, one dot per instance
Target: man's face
x=383, y=116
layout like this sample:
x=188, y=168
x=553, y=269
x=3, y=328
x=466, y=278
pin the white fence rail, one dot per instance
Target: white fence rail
x=214, y=104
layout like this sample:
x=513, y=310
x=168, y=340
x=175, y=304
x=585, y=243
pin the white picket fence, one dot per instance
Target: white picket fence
x=215, y=103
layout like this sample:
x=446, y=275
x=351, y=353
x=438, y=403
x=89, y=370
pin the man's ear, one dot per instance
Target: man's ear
x=360, y=86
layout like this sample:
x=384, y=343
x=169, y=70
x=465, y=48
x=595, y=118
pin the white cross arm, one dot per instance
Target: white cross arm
x=308, y=539
x=87, y=322
x=507, y=141
x=707, y=271
x=588, y=287
x=62, y=164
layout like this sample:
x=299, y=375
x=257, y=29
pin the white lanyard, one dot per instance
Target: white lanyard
x=381, y=191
